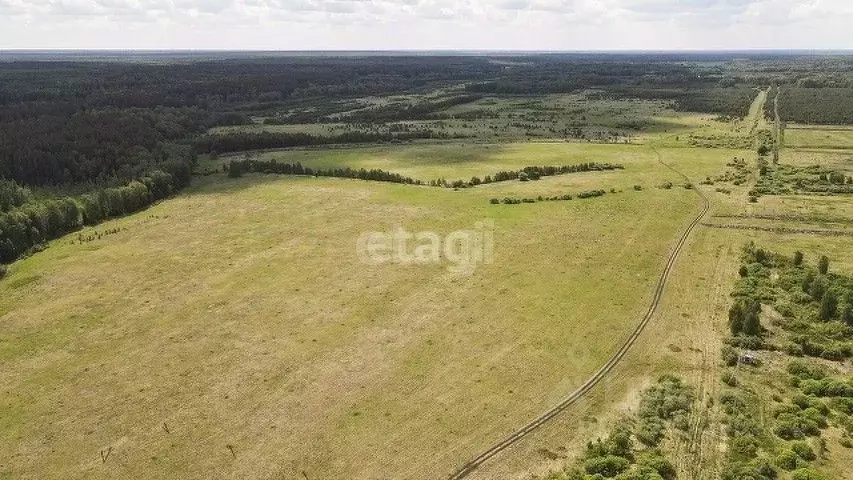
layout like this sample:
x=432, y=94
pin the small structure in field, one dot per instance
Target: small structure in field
x=749, y=358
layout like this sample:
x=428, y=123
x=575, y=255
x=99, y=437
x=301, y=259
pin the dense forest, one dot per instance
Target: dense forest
x=831, y=106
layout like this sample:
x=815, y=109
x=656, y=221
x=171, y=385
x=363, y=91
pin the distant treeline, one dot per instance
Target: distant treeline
x=727, y=101
x=27, y=226
x=236, y=168
x=420, y=111
x=243, y=141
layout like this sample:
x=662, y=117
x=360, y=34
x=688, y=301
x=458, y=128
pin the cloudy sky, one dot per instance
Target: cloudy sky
x=427, y=24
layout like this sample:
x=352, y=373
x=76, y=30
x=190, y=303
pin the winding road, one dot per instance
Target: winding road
x=602, y=372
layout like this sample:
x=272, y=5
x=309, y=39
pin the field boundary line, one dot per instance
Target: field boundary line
x=602, y=372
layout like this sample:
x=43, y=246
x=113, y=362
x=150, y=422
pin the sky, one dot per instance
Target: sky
x=560, y=25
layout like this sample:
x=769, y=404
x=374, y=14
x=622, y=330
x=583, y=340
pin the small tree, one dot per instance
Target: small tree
x=828, y=305
x=847, y=309
x=823, y=265
x=736, y=318
x=751, y=322
x=235, y=169
x=798, y=258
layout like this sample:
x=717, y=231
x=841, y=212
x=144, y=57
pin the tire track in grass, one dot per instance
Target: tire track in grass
x=602, y=372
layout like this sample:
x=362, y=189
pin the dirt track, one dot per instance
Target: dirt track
x=602, y=372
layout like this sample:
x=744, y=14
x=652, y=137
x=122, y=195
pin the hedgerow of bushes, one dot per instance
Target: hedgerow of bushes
x=564, y=197
x=527, y=174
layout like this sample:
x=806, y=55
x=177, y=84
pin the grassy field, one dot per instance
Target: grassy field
x=815, y=136
x=685, y=339
x=243, y=336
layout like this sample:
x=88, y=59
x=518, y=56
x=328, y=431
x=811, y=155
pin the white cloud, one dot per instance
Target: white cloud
x=426, y=24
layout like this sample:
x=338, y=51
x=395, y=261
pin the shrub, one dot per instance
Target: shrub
x=608, y=466
x=638, y=188
x=743, y=271
x=730, y=355
x=798, y=258
x=659, y=464
x=650, y=431
x=793, y=427
x=236, y=169
x=787, y=460
x=806, y=370
x=729, y=379
x=794, y=349
x=763, y=468
x=3, y=270
x=744, y=446
x=803, y=450
x=494, y=201
x=807, y=474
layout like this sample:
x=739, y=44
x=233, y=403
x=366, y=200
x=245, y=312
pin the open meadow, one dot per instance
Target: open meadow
x=243, y=335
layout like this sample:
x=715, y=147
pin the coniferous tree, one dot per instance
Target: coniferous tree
x=828, y=305
x=798, y=258
x=823, y=265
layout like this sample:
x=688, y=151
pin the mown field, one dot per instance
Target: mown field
x=816, y=136
x=243, y=336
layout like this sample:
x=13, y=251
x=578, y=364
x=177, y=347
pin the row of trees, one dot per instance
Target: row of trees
x=32, y=224
x=236, y=168
x=527, y=174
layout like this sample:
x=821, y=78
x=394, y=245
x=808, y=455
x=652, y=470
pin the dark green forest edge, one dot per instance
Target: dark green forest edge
x=81, y=142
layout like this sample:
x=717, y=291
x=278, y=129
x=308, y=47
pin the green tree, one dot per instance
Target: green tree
x=750, y=313
x=736, y=318
x=798, y=258
x=823, y=265
x=847, y=309
x=828, y=305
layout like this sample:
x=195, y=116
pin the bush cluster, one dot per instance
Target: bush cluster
x=617, y=456
x=555, y=198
